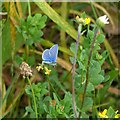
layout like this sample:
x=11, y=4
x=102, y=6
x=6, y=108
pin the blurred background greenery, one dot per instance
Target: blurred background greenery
x=60, y=29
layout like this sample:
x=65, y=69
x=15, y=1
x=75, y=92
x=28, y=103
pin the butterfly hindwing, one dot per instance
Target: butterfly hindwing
x=46, y=55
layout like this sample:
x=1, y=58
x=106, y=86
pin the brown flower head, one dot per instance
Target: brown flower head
x=25, y=70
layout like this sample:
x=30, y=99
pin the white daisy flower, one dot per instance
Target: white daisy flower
x=102, y=21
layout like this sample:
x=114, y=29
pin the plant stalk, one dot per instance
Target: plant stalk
x=34, y=100
x=73, y=71
x=87, y=69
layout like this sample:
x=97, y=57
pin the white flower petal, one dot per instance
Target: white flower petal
x=104, y=19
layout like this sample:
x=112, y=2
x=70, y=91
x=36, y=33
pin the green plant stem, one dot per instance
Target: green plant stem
x=73, y=71
x=34, y=100
x=51, y=86
x=48, y=80
x=29, y=12
x=93, y=9
x=87, y=70
x=29, y=8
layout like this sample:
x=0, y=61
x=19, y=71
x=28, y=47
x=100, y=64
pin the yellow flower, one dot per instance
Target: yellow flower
x=117, y=115
x=47, y=71
x=87, y=21
x=103, y=114
x=39, y=68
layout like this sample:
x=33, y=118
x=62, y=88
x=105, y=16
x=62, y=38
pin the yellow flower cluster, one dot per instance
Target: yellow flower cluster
x=85, y=21
x=40, y=67
x=104, y=114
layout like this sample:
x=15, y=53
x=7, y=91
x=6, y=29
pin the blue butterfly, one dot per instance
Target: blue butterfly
x=49, y=56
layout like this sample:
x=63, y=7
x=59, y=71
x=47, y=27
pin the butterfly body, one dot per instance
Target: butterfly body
x=49, y=56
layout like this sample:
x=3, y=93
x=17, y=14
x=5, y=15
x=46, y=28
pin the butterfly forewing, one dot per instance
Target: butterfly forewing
x=53, y=53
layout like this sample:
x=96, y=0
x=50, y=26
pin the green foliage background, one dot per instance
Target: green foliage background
x=29, y=28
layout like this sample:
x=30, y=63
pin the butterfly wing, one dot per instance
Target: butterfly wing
x=53, y=53
x=46, y=55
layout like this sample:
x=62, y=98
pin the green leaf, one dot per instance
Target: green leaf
x=29, y=42
x=31, y=60
x=83, y=15
x=33, y=30
x=18, y=59
x=29, y=19
x=73, y=48
x=55, y=97
x=6, y=46
x=111, y=112
x=84, y=56
x=81, y=66
x=86, y=42
x=37, y=36
x=29, y=109
x=100, y=38
x=95, y=67
x=51, y=13
x=28, y=90
x=96, y=79
x=36, y=20
x=113, y=74
x=84, y=115
x=67, y=99
x=45, y=108
x=42, y=22
x=88, y=103
x=90, y=87
x=90, y=35
x=107, y=77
